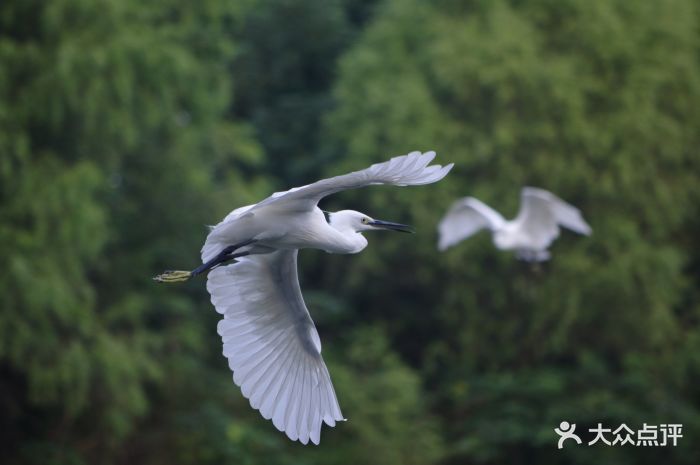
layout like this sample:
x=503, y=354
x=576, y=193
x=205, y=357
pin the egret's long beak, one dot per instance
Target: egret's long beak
x=392, y=226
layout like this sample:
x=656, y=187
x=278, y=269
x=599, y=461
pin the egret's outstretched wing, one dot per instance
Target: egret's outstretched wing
x=464, y=218
x=405, y=170
x=272, y=345
x=541, y=213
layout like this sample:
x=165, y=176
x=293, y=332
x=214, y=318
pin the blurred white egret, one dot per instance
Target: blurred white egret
x=529, y=234
x=269, y=338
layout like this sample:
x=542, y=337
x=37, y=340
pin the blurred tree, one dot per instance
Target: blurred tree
x=593, y=100
x=388, y=419
x=125, y=126
x=284, y=72
x=112, y=128
x=118, y=144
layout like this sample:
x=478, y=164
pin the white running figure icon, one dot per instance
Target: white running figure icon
x=566, y=432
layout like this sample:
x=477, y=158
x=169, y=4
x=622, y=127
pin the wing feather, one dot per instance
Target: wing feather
x=280, y=407
x=541, y=213
x=405, y=170
x=261, y=383
x=268, y=382
x=304, y=406
x=272, y=394
x=293, y=404
x=272, y=344
x=314, y=424
x=564, y=213
x=466, y=217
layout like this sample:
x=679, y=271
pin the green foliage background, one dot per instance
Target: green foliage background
x=127, y=126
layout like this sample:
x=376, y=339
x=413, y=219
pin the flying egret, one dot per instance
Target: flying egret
x=529, y=234
x=269, y=338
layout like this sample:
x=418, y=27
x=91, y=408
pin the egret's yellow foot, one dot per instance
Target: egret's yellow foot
x=173, y=276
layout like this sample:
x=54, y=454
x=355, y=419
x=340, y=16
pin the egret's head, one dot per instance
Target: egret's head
x=358, y=222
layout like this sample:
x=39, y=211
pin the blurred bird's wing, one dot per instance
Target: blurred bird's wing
x=466, y=217
x=541, y=213
x=404, y=170
x=272, y=344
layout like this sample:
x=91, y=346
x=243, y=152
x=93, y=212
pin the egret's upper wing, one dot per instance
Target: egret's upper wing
x=564, y=213
x=272, y=345
x=541, y=213
x=464, y=218
x=237, y=213
x=405, y=170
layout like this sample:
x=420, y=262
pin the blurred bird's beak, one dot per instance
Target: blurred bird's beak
x=392, y=226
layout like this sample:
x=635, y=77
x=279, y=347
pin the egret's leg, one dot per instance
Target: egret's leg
x=225, y=255
x=176, y=276
x=219, y=260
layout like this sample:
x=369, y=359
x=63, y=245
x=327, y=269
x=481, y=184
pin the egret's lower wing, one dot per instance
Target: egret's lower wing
x=272, y=344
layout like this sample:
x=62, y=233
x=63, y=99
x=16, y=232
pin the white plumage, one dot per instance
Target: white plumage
x=531, y=232
x=269, y=338
x=272, y=345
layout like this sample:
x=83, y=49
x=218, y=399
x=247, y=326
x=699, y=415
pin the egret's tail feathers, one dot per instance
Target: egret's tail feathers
x=173, y=276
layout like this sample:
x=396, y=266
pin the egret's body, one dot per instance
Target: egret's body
x=269, y=338
x=280, y=229
x=531, y=232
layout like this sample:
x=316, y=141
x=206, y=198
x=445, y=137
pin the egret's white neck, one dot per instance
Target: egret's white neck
x=347, y=240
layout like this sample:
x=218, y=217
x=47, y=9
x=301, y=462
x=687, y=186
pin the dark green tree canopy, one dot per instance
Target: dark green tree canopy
x=126, y=126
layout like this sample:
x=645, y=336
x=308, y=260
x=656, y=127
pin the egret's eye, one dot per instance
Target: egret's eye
x=365, y=220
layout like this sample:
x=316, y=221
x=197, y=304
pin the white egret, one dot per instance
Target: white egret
x=529, y=234
x=269, y=338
